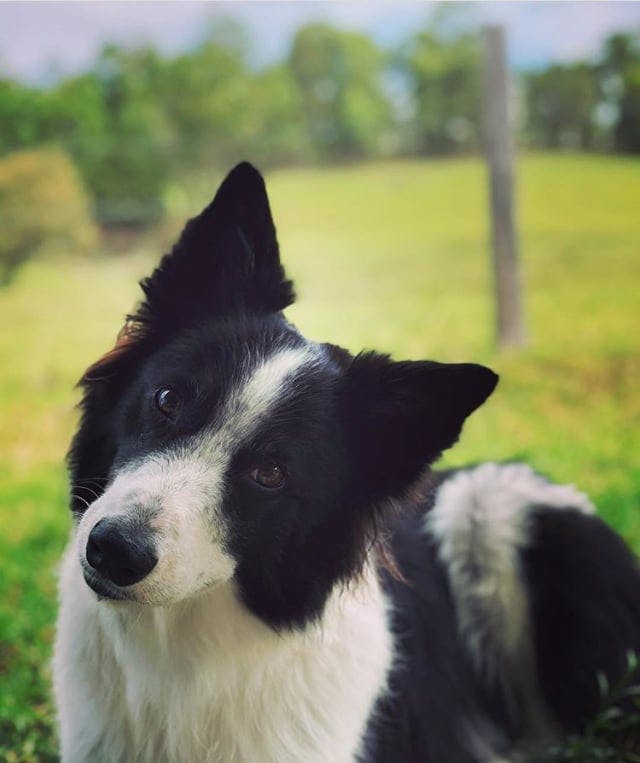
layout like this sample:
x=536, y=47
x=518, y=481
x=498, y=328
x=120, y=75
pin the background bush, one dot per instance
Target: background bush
x=43, y=203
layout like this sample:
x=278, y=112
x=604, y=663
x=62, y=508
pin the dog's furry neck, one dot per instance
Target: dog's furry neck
x=206, y=680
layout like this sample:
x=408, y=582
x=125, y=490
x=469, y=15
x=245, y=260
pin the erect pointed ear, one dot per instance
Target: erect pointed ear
x=226, y=260
x=402, y=415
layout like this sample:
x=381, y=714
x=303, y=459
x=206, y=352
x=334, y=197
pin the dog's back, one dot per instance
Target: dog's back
x=511, y=599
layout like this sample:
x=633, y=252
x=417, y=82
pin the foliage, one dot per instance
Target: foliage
x=23, y=116
x=614, y=734
x=122, y=151
x=390, y=256
x=561, y=101
x=42, y=203
x=620, y=69
x=136, y=118
x=338, y=74
x=588, y=104
x=279, y=135
x=444, y=78
x=205, y=97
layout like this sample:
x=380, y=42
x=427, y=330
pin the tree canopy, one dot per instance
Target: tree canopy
x=137, y=117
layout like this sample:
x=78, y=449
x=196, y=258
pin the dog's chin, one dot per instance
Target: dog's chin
x=103, y=589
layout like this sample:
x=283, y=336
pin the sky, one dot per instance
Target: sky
x=41, y=40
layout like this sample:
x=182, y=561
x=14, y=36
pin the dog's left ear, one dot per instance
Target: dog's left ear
x=401, y=416
x=226, y=261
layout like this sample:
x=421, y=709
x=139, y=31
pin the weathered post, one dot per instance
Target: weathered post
x=500, y=150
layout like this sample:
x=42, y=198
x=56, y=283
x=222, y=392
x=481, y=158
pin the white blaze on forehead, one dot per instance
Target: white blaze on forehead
x=245, y=408
x=247, y=405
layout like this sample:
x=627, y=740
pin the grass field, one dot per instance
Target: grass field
x=392, y=256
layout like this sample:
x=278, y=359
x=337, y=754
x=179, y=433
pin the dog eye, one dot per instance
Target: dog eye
x=167, y=401
x=269, y=476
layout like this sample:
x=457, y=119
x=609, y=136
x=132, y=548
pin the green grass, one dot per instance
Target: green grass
x=391, y=256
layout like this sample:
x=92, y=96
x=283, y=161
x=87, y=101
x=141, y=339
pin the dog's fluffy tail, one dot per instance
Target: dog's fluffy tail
x=547, y=596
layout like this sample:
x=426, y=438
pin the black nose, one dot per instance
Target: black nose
x=120, y=552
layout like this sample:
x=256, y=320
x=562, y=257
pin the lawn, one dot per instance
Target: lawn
x=392, y=256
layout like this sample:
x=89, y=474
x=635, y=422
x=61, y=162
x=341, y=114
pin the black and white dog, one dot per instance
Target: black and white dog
x=263, y=568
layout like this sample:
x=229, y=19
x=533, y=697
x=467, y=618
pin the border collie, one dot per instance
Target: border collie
x=263, y=568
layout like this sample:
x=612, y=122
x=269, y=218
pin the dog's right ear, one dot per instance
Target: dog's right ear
x=226, y=261
x=400, y=416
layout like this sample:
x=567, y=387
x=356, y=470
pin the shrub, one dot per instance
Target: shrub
x=43, y=205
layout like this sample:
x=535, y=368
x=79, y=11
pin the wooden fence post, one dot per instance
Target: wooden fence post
x=499, y=150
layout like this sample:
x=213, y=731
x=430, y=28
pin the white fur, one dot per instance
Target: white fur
x=178, y=493
x=481, y=522
x=203, y=680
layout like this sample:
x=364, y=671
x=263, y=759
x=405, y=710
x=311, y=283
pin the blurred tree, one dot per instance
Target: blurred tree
x=561, y=103
x=136, y=117
x=111, y=123
x=620, y=78
x=339, y=79
x=443, y=75
x=23, y=112
x=124, y=149
x=205, y=97
x=279, y=131
x=43, y=203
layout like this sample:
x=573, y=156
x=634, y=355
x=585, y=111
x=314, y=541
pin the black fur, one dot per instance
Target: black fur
x=585, y=598
x=583, y=585
x=357, y=435
x=435, y=700
x=401, y=416
x=226, y=261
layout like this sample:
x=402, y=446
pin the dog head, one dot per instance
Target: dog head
x=218, y=446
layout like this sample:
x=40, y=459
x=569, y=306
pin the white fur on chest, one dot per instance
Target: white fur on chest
x=207, y=681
